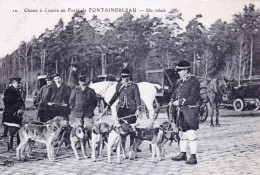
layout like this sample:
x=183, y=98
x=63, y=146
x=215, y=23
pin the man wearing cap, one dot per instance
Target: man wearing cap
x=129, y=104
x=83, y=101
x=73, y=80
x=13, y=103
x=187, y=97
x=59, y=98
x=43, y=97
x=127, y=66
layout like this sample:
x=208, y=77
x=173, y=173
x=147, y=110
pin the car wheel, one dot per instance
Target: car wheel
x=238, y=105
x=256, y=105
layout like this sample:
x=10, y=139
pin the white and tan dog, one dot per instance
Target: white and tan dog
x=98, y=138
x=157, y=138
x=47, y=134
x=115, y=139
x=78, y=135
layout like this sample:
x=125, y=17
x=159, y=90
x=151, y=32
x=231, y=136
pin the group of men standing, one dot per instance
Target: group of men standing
x=59, y=99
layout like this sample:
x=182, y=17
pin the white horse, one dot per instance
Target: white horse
x=107, y=89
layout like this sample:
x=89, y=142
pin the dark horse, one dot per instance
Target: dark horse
x=214, y=93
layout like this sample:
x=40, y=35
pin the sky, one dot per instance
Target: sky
x=17, y=24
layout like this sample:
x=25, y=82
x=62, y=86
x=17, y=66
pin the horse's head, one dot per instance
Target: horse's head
x=228, y=88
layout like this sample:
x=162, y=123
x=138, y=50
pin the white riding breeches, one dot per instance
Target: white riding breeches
x=189, y=136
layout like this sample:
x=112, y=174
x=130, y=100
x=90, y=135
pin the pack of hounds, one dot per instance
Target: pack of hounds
x=58, y=131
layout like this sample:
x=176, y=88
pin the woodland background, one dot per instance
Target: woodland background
x=230, y=50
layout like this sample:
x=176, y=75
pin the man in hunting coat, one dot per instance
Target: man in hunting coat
x=14, y=104
x=129, y=98
x=129, y=104
x=43, y=97
x=59, y=98
x=83, y=101
x=187, y=98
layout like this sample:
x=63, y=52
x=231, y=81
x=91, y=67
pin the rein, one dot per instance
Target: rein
x=105, y=89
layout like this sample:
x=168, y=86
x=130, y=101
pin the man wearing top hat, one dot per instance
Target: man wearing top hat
x=187, y=98
x=83, y=101
x=73, y=80
x=59, y=98
x=13, y=106
x=43, y=97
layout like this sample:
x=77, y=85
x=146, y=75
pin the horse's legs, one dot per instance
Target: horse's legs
x=148, y=101
x=217, y=113
x=211, y=113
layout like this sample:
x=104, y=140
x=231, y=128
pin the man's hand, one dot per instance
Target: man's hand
x=176, y=103
x=138, y=112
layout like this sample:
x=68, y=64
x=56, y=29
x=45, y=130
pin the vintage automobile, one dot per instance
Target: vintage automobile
x=247, y=96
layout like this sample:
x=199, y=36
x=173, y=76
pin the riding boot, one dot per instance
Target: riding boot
x=192, y=160
x=180, y=157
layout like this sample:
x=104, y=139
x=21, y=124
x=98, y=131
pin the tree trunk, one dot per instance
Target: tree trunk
x=43, y=63
x=91, y=71
x=168, y=59
x=56, y=65
x=103, y=70
x=32, y=70
x=70, y=70
x=240, y=58
x=206, y=64
x=14, y=65
x=26, y=65
x=251, y=58
x=194, y=62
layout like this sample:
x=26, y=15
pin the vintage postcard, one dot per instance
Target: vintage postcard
x=129, y=87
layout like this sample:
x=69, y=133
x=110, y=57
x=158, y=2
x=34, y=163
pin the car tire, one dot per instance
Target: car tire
x=238, y=105
x=256, y=105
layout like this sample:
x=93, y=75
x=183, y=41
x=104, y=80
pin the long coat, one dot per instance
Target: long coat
x=188, y=95
x=128, y=94
x=82, y=102
x=13, y=101
x=44, y=94
x=60, y=96
x=43, y=97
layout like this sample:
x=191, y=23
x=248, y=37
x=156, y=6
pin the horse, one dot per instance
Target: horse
x=214, y=93
x=107, y=89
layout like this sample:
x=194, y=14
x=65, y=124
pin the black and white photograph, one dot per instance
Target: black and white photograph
x=128, y=87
